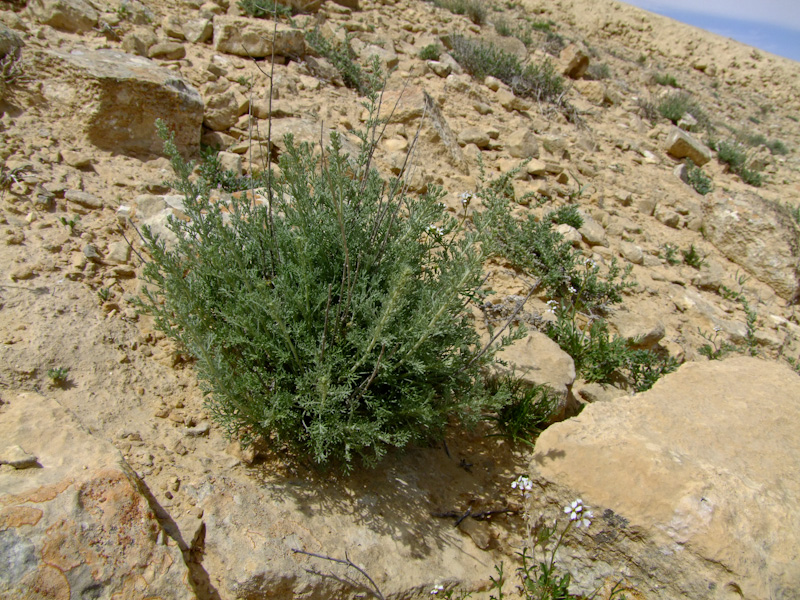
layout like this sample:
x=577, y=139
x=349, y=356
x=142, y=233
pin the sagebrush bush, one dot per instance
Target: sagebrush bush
x=539, y=82
x=666, y=79
x=430, y=52
x=333, y=318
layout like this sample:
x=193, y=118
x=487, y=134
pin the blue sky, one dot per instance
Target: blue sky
x=772, y=25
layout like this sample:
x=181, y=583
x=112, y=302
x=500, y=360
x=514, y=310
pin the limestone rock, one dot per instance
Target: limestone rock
x=574, y=61
x=522, y=144
x=166, y=51
x=84, y=199
x=474, y=135
x=10, y=42
x=77, y=525
x=221, y=112
x=631, y=253
x=641, y=331
x=758, y=236
x=114, y=100
x=592, y=232
x=138, y=41
x=75, y=16
x=538, y=360
x=254, y=37
x=198, y=31
x=693, y=484
x=682, y=145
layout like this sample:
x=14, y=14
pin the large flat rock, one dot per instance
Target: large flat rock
x=73, y=521
x=256, y=38
x=694, y=484
x=114, y=99
x=758, y=236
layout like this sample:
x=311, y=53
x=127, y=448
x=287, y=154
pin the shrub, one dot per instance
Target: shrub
x=695, y=176
x=430, y=52
x=211, y=175
x=777, y=147
x=343, y=58
x=540, y=82
x=332, y=318
x=735, y=156
x=670, y=254
x=674, y=106
x=567, y=215
x=523, y=410
x=264, y=9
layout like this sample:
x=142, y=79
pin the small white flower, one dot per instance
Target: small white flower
x=577, y=512
x=433, y=229
x=572, y=289
x=436, y=589
x=465, y=197
x=522, y=483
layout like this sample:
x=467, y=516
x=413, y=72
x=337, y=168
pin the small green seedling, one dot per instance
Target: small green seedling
x=58, y=375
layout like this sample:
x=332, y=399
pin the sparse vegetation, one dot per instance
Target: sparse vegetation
x=539, y=82
x=670, y=254
x=342, y=56
x=734, y=155
x=430, y=52
x=692, y=257
x=58, y=375
x=696, y=178
x=675, y=106
x=475, y=10
x=598, y=71
x=264, y=9
x=666, y=79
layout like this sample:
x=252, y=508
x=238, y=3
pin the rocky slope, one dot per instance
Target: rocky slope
x=81, y=157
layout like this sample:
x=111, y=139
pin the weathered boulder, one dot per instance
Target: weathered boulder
x=73, y=520
x=682, y=145
x=114, y=100
x=256, y=38
x=693, y=484
x=522, y=144
x=538, y=360
x=221, y=111
x=574, y=61
x=758, y=236
x=640, y=330
x=10, y=42
x=76, y=16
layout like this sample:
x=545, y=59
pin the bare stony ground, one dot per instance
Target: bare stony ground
x=64, y=237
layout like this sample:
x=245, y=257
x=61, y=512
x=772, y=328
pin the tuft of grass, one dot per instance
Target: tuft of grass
x=666, y=79
x=430, y=52
x=523, y=410
x=475, y=10
x=670, y=252
x=539, y=82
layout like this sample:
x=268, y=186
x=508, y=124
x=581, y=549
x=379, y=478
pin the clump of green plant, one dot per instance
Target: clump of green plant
x=569, y=214
x=539, y=82
x=211, y=174
x=649, y=109
x=70, y=223
x=777, y=147
x=715, y=348
x=696, y=178
x=264, y=9
x=332, y=319
x=734, y=155
x=12, y=71
x=343, y=58
x=58, y=375
x=666, y=79
x=104, y=294
x=475, y=10
x=599, y=357
x=598, y=72
x=523, y=410
x=692, y=257
x=675, y=106
x=431, y=52
x=670, y=254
